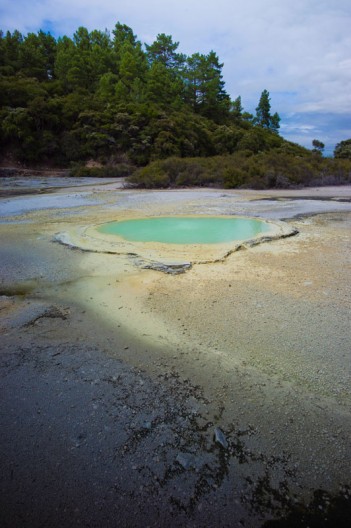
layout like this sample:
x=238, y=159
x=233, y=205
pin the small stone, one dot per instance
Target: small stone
x=220, y=438
x=185, y=460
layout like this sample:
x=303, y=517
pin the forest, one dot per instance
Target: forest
x=104, y=104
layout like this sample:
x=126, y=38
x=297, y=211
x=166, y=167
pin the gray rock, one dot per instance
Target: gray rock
x=185, y=460
x=173, y=268
x=220, y=438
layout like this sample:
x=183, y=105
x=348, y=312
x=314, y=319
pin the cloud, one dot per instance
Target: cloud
x=328, y=127
x=299, y=51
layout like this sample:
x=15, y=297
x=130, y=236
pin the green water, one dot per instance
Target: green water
x=186, y=230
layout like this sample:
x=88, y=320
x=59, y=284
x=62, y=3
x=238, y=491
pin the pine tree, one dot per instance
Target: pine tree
x=263, y=117
x=204, y=86
x=318, y=147
x=343, y=149
x=263, y=111
x=163, y=50
x=236, y=108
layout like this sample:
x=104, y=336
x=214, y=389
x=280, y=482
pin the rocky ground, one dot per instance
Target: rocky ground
x=220, y=396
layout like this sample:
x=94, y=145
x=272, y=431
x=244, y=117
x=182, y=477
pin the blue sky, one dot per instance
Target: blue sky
x=299, y=51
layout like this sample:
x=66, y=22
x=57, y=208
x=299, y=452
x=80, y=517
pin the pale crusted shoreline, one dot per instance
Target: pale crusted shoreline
x=89, y=239
x=257, y=345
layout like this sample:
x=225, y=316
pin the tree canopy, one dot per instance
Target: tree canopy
x=108, y=97
x=343, y=149
x=318, y=147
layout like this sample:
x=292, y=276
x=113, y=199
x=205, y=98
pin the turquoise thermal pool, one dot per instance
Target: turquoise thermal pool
x=186, y=230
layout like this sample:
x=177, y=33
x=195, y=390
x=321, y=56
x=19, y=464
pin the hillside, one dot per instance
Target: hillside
x=130, y=107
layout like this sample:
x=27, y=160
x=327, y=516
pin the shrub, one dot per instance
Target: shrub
x=233, y=177
x=151, y=177
x=270, y=169
x=118, y=171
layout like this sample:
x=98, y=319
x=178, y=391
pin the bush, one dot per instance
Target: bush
x=118, y=171
x=343, y=149
x=151, y=177
x=265, y=170
x=233, y=177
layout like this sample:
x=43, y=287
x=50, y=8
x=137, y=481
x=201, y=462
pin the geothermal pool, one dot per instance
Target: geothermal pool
x=186, y=230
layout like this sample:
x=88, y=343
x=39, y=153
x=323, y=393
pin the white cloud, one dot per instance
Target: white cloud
x=301, y=49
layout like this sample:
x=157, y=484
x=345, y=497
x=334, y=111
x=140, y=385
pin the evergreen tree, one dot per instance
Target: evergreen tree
x=72, y=64
x=106, y=97
x=81, y=39
x=37, y=56
x=204, y=87
x=236, y=109
x=132, y=73
x=107, y=86
x=343, y=149
x=163, y=50
x=162, y=87
x=101, y=56
x=275, y=122
x=318, y=147
x=263, y=114
x=263, y=110
x=10, y=62
x=123, y=34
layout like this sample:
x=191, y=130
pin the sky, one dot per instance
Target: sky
x=300, y=50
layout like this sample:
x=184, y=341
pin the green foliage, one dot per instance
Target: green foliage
x=36, y=56
x=270, y=169
x=227, y=138
x=236, y=109
x=18, y=91
x=263, y=114
x=10, y=46
x=318, y=147
x=106, y=98
x=162, y=87
x=343, y=149
x=204, y=87
x=97, y=95
x=154, y=175
x=163, y=51
x=123, y=35
x=115, y=171
x=233, y=177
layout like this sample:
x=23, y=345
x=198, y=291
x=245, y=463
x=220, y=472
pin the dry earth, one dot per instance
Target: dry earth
x=131, y=397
